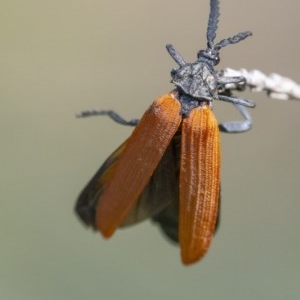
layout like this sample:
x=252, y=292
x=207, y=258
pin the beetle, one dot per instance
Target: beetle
x=169, y=168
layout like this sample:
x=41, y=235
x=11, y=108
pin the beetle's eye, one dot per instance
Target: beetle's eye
x=217, y=60
x=173, y=72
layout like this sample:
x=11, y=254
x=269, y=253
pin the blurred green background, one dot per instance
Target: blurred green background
x=60, y=57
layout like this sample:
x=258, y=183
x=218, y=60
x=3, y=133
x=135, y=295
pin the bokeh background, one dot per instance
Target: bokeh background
x=60, y=57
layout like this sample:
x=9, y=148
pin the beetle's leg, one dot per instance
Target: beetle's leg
x=112, y=114
x=238, y=82
x=236, y=100
x=238, y=126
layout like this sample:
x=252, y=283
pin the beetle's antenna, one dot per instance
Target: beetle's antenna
x=211, y=54
x=212, y=25
x=175, y=55
x=233, y=40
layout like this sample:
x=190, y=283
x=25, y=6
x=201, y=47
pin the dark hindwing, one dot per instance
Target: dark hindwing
x=87, y=201
x=160, y=192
